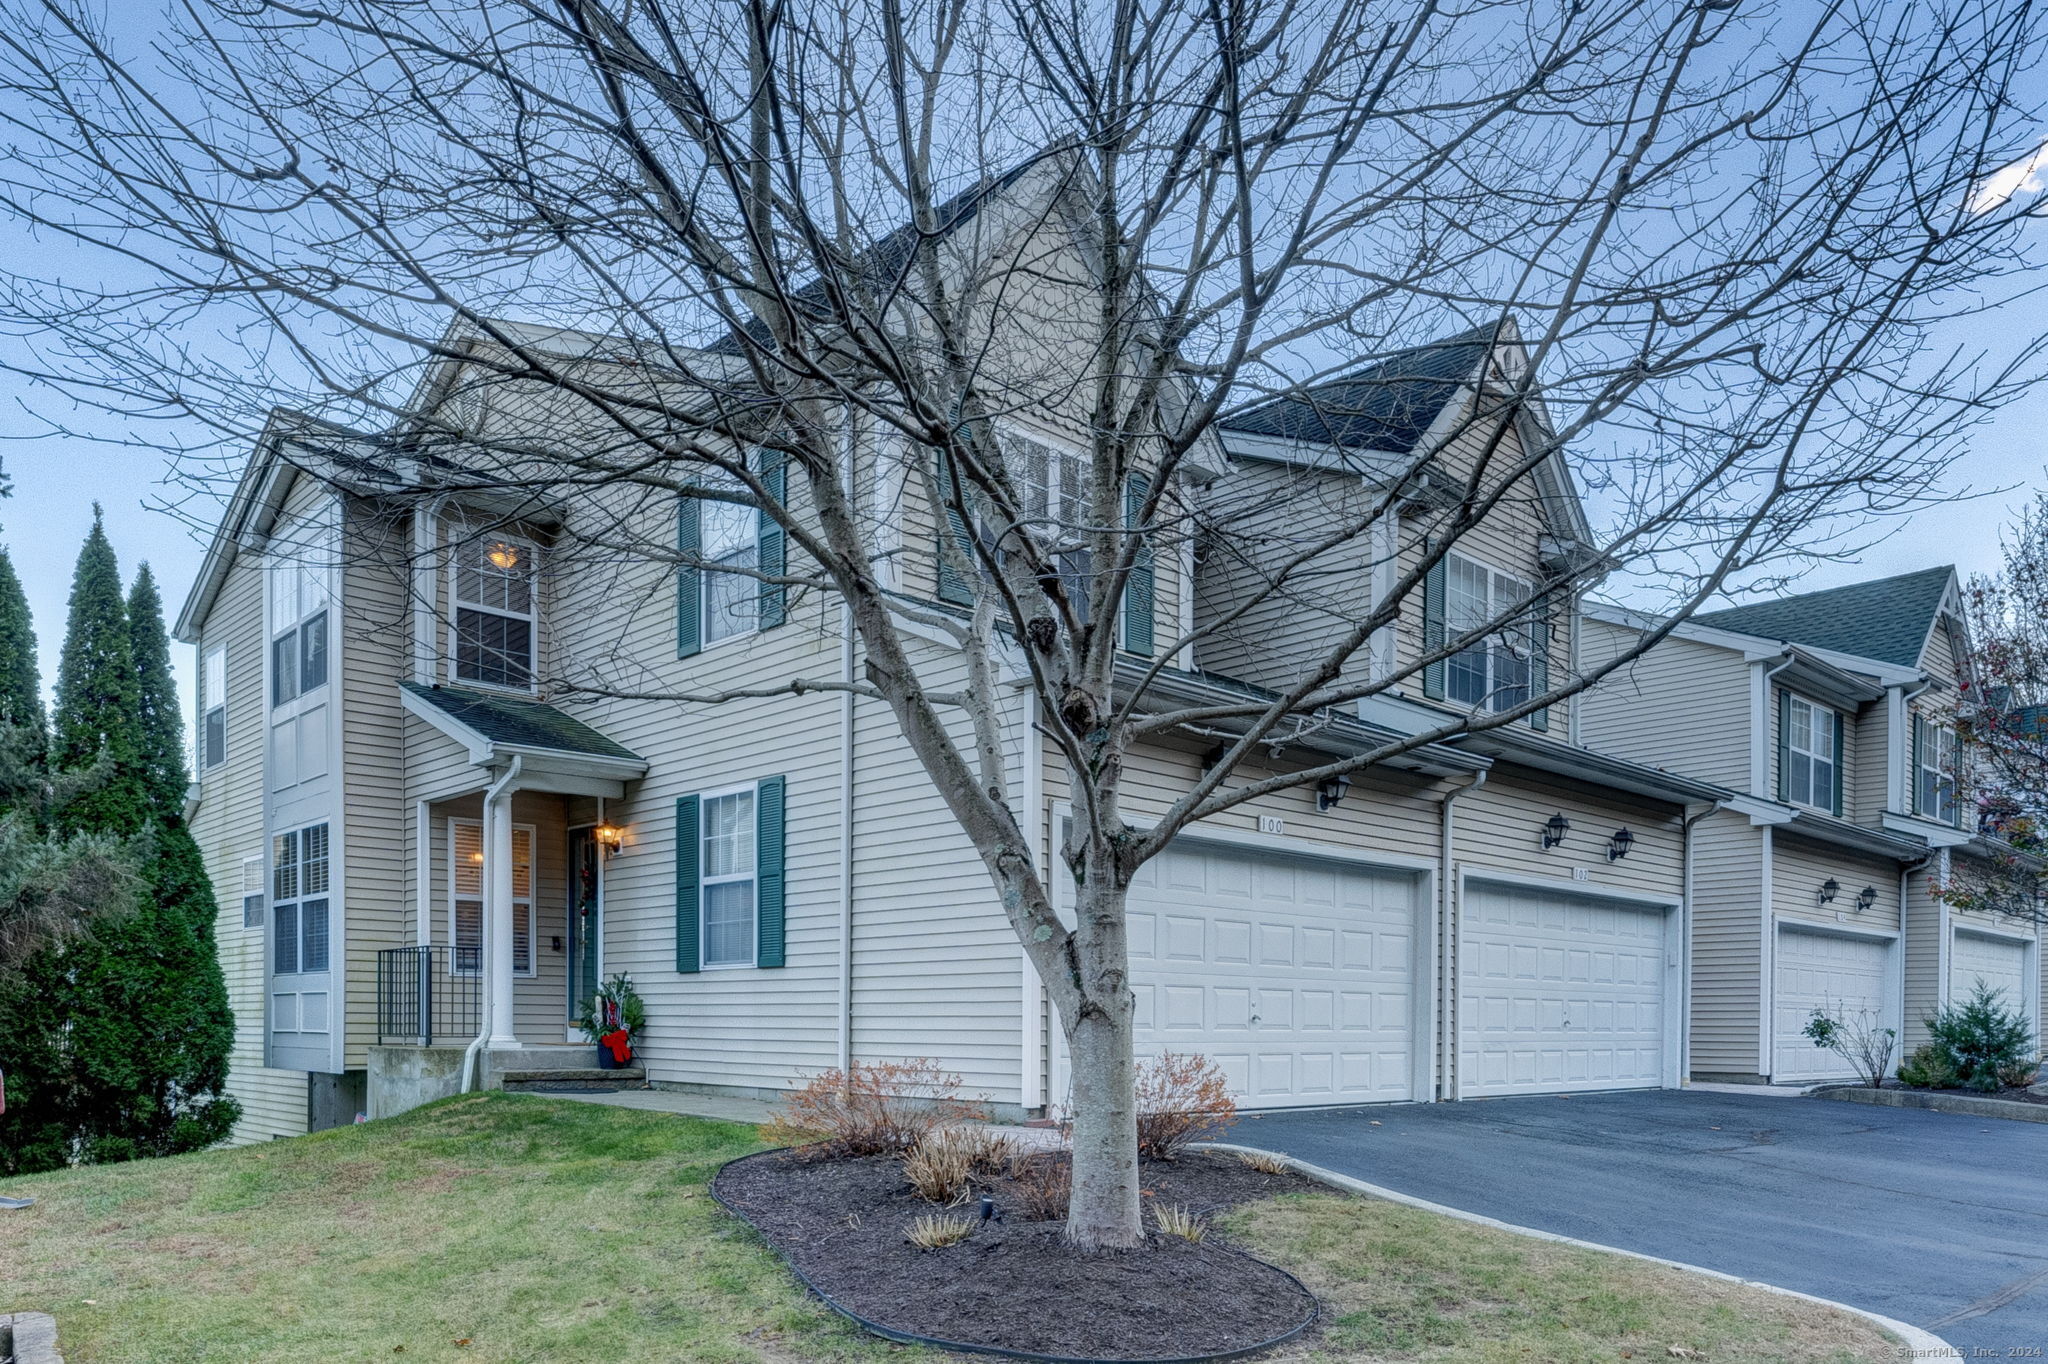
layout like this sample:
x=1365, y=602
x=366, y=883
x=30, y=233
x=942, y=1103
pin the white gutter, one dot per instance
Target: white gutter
x=492, y=873
x=1446, y=933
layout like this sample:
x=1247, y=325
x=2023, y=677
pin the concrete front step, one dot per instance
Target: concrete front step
x=580, y=1077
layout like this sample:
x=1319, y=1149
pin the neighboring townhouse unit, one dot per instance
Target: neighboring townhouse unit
x=1833, y=715
x=441, y=849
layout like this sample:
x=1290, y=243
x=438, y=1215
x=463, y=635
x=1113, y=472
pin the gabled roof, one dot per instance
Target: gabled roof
x=1888, y=619
x=512, y=722
x=1387, y=405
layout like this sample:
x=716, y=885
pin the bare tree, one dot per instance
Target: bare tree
x=883, y=244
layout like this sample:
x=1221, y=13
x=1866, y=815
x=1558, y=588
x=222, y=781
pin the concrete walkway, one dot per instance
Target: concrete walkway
x=724, y=1108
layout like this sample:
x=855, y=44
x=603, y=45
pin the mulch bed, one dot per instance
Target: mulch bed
x=2013, y=1096
x=1013, y=1285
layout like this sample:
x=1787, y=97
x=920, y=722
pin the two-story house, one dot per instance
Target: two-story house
x=1832, y=715
x=440, y=847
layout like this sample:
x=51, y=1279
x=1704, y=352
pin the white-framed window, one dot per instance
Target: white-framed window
x=298, y=908
x=213, y=708
x=496, y=623
x=729, y=872
x=252, y=891
x=730, y=538
x=466, y=900
x=1934, y=770
x=1810, y=757
x=1494, y=672
x=298, y=632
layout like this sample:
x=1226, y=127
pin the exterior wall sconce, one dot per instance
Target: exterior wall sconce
x=1329, y=791
x=1828, y=890
x=609, y=837
x=1619, y=844
x=1555, y=830
x=1865, y=898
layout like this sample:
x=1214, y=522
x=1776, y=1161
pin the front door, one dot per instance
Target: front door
x=586, y=918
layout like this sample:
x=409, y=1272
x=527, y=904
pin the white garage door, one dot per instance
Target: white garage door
x=1558, y=992
x=1295, y=975
x=2000, y=963
x=1847, y=977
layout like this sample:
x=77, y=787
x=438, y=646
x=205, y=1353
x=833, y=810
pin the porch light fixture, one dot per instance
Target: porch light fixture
x=1865, y=898
x=1828, y=890
x=1329, y=791
x=610, y=837
x=1555, y=830
x=1618, y=844
x=503, y=557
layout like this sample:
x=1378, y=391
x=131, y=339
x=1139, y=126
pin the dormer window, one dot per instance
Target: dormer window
x=1493, y=674
x=494, y=613
x=1810, y=754
x=1934, y=772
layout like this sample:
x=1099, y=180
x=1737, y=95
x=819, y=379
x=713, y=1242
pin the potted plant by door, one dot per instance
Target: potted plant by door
x=612, y=1018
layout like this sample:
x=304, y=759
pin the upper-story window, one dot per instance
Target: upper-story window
x=298, y=910
x=731, y=549
x=1935, y=754
x=495, y=625
x=1494, y=673
x=213, y=708
x=732, y=552
x=1811, y=754
x=298, y=633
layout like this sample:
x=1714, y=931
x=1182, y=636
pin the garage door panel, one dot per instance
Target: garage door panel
x=1559, y=992
x=1830, y=971
x=1295, y=976
x=2000, y=963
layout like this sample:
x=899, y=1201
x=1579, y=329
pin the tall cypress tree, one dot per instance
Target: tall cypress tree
x=98, y=717
x=117, y=1038
x=24, y=738
x=160, y=731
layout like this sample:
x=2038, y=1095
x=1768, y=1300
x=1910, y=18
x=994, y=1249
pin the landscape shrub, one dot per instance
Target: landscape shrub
x=932, y=1232
x=1177, y=1219
x=883, y=1108
x=938, y=1170
x=1859, y=1037
x=1045, y=1182
x=1928, y=1068
x=1180, y=1097
x=1983, y=1039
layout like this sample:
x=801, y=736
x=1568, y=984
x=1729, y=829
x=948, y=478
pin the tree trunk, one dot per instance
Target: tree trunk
x=1103, y=1212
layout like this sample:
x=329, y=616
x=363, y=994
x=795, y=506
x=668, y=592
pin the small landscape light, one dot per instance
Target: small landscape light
x=1619, y=843
x=1828, y=890
x=1555, y=830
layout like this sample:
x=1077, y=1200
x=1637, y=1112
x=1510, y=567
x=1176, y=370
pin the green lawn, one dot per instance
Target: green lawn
x=512, y=1227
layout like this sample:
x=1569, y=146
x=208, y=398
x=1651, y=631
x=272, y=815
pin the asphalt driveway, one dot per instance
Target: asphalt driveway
x=1931, y=1218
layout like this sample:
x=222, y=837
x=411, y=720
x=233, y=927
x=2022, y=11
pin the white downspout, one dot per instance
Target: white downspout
x=847, y=446
x=1447, y=940
x=423, y=874
x=1762, y=753
x=495, y=878
x=1685, y=940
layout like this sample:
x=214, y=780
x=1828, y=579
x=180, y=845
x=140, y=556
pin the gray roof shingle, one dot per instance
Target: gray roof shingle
x=523, y=724
x=1387, y=405
x=1886, y=619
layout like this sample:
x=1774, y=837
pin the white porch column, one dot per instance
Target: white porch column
x=498, y=977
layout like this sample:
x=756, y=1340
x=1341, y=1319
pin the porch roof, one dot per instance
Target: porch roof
x=496, y=728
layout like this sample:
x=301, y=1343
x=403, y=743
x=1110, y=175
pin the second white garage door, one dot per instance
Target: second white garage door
x=1558, y=992
x=1296, y=975
x=2000, y=963
x=1845, y=976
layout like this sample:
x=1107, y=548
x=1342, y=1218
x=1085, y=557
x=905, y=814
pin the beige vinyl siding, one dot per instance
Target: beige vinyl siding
x=1799, y=868
x=373, y=640
x=228, y=827
x=1683, y=705
x=1270, y=514
x=1926, y=959
x=1727, y=938
x=1500, y=826
x=1865, y=798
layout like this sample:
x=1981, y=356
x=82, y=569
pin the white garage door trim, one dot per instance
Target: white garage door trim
x=1670, y=981
x=1788, y=1044
x=2029, y=972
x=1420, y=885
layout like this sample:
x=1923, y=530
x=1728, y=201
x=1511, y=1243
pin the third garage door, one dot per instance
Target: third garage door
x=2000, y=963
x=1842, y=975
x=1558, y=992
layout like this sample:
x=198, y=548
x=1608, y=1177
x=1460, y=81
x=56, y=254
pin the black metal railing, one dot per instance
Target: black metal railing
x=423, y=1000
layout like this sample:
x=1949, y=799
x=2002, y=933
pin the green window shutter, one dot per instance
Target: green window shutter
x=1784, y=744
x=1835, y=797
x=687, y=853
x=768, y=879
x=952, y=586
x=773, y=557
x=1539, y=668
x=1138, y=588
x=1919, y=758
x=689, y=582
x=1434, y=586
